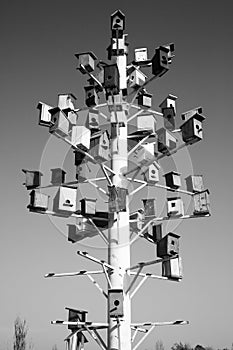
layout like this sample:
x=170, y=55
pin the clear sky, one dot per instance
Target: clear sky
x=38, y=42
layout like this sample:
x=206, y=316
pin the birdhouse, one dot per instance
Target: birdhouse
x=82, y=171
x=166, y=141
x=66, y=101
x=58, y=176
x=33, y=179
x=201, y=203
x=168, y=245
x=136, y=78
x=194, y=183
x=169, y=102
x=118, y=47
x=146, y=121
x=86, y=61
x=115, y=298
x=38, y=201
x=152, y=173
x=111, y=79
x=59, y=123
x=76, y=316
x=78, y=158
x=65, y=201
x=91, y=98
x=81, y=137
x=118, y=109
x=187, y=115
x=93, y=120
x=137, y=220
x=155, y=232
x=88, y=206
x=117, y=24
x=175, y=207
x=149, y=207
x=145, y=99
x=171, y=48
x=103, y=220
x=169, y=120
x=100, y=146
x=83, y=229
x=145, y=154
x=160, y=64
x=173, y=180
x=192, y=129
x=172, y=269
x=44, y=114
x=117, y=199
x=140, y=55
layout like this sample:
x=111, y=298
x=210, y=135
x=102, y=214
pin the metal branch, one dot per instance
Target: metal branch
x=138, y=144
x=157, y=324
x=134, y=115
x=143, y=338
x=71, y=274
x=107, y=277
x=92, y=76
x=97, y=285
x=152, y=262
x=100, y=338
x=102, y=235
x=150, y=275
x=91, y=325
x=106, y=174
x=96, y=186
x=134, y=279
x=174, y=189
x=134, y=335
x=92, y=334
x=138, y=286
x=170, y=153
x=138, y=189
x=101, y=262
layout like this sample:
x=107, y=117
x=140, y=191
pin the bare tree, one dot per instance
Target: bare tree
x=20, y=334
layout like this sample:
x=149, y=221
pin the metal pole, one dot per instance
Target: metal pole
x=119, y=233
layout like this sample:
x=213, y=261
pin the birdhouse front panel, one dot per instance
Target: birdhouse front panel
x=59, y=123
x=166, y=141
x=169, y=120
x=115, y=298
x=195, y=183
x=149, y=207
x=65, y=200
x=44, y=114
x=111, y=78
x=140, y=54
x=160, y=62
x=136, y=79
x=146, y=122
x=145, y=100
x=86, y=60
x=66, y=101
x=189, y=114
x=119, y=46
x=172, y=268
x=201, y=203
x=82, y=172
x=156, y=232
x=175, y=207
x=117, y=199
x=38, y=201
x=168, y=245
x=100, y=146
x=192, y=130
x=117, y=21
x=173, y=179
x=81, y=137
x=93, y=120
x=91, y=98
x=58, y=176
x=33, y=179
x=169, y=102
x=152, y=174
x=88, y=206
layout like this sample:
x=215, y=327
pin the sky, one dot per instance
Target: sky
x=38, y=42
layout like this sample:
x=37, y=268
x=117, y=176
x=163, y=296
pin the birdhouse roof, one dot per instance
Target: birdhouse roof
x=78, y=311
x=88, y=199
x=118, y=13
x=172, y=97
x=69, y=94
x=196, y=116
x=99, y=134
x=173, y=198
x=58, y=169
x=173, y=235
x=32, y=171
x=172, y=172
x=86, y=53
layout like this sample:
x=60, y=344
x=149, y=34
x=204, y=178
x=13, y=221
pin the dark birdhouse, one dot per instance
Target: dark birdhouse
x=59, y=123
x=81, y=230
x=138, y=220
x=155, y=232
x=168, y=108
x=44, y=114
x=140, y=55
x=93, y=120
x=38, y=201
x=172, y=269
x=149, y=207
x=175, y=207
x=33, y=179
x=117, y=199
x=86, y=61
x=145, y=99
x=168, y=245
x=160, y=64
x=103, y=220
x=76, y=316
x=173, y=179
x=88, y=206
x=58, y=176
x=187, y=115
x=81, y=137
x=111, y=79
x=78, y=158
x=201, y=203
x=100, y=146
x=169, y=102
x=115, y=298
x=66, y=102
x=65, y=201
x=194, y=183
x=152, y=174
x=192, y=129
x=166, y=141
x=117, y=24
x=91, y=98
x=136, y=78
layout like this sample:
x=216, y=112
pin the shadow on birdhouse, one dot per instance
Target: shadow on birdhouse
x=83, y=229
x=166, y=141
x=173, y=180
x=80, y=137
x=201, y=203
x=59, y=123
x=194, y=183
x=58, y=176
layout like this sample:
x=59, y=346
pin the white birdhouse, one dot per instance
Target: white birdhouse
x=111, y=79
x=145, y=99
x=44, y=114
x=93, y=120
x=187, y=115
x=100, y=146
x=145, y=154
x=83, y=229
x=38, y=201
x=66, y=101
x=160, y=61
x=59, y=123
x=201, y=203
x=81, y=137
x=33, y=178
x=91, y=98
x=192, y=129
x=65, y=200
x=194, y=183
x=168, y=245
x=86, y=61
x=58, y=176
x=117, y=24
x=152, y=173
x=175, y=207
x=136, y=78
x=115, y=298
x=166, y=141
x=146, y=121
x=173, y=179
x=138, y=219
x=169, y=102
x=140, y=55
x=88, y=206
x=149, y=207
x=172, y=268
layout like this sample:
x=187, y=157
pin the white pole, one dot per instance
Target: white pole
x=119, y=338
